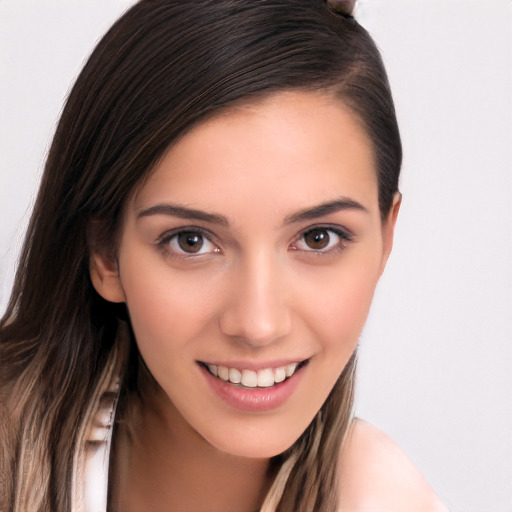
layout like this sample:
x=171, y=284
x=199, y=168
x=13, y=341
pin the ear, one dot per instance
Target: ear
x=103, y=267
x=105, y=277
x=388, y=229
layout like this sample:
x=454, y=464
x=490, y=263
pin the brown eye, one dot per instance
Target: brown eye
x=190, y=242
x=317, y=238
x=322, y=240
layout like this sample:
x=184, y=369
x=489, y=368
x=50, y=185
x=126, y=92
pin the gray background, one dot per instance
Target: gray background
x=436, y=355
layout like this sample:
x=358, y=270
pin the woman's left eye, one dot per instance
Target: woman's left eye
x=189, y=243
x=321, y=239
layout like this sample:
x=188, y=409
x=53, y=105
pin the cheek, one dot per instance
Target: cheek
x=337, y=314
x=167, y=310
x=350, y=305
x=339, y=301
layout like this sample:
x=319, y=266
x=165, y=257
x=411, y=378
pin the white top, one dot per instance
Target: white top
x=91, y=466
x=92, y=454
x=97, y=458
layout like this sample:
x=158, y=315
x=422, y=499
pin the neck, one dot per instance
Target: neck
x=162, y=464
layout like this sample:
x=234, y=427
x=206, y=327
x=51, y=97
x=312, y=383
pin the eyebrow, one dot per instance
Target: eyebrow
x=314, y=212
x=184, y=213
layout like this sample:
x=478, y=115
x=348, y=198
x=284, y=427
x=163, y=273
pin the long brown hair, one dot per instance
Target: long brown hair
x=163, y=67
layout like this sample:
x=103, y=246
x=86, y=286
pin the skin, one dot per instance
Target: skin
x=376, y=475
x=256, y=291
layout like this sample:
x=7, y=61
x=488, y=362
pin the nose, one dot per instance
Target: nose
x=255, y=309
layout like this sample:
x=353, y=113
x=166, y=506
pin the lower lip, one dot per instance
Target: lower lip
x=253, y=399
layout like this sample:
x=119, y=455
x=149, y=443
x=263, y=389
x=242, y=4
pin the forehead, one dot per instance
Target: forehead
x=288, y=149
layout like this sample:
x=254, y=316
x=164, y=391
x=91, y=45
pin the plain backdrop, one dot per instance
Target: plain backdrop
x=436, y=354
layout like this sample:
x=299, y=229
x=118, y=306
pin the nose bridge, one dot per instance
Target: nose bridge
x=256, y=310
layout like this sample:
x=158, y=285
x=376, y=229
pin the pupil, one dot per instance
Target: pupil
x=190, y=242
x=317, y=239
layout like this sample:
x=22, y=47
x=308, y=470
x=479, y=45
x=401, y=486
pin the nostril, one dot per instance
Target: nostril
x=255, y=326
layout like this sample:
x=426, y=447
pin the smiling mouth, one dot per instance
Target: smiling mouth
x=254, y=379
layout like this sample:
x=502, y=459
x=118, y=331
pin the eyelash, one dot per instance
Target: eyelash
x=344, y=236
x=167, y=238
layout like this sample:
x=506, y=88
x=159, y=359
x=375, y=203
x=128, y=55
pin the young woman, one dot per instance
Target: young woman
x=217, y=207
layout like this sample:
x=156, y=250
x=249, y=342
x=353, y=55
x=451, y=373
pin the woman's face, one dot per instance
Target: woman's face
x=252, y=254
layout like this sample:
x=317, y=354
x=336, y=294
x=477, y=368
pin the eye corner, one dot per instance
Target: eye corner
x=336, y=239
x=173, y=247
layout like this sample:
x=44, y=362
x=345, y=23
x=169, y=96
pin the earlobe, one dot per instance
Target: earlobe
x=105, y=278
x=388, y=229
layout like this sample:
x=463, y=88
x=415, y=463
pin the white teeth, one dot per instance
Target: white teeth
x=279, y=374
x=235, y=376
x=264, y=378
x=249, y=378
x=223, y=372
x=290, y=369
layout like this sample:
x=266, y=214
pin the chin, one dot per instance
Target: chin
x=256, y=449
x=256, y=440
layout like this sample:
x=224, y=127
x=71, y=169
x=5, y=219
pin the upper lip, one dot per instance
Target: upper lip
x=256, y=365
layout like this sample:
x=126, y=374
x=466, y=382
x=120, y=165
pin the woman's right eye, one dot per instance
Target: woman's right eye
x=189, y=243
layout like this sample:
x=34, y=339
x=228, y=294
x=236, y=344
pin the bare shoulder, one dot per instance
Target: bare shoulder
x=376, y=475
